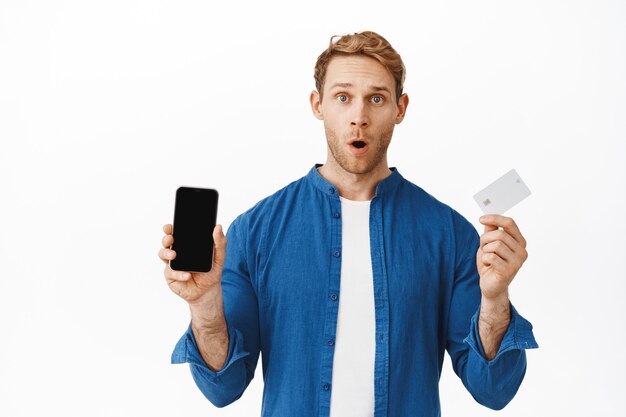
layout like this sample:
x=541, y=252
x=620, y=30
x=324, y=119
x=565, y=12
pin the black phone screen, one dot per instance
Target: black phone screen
x=195, y=214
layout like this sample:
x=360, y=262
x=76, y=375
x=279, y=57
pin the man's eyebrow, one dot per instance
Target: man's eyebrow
x=348, y=85
x=342, y=85
x=383, y=88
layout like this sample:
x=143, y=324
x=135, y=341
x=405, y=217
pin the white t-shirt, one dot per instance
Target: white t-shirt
x=352, y=392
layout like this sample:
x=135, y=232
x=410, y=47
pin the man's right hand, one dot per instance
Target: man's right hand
x=194, y=287
x=203, y=292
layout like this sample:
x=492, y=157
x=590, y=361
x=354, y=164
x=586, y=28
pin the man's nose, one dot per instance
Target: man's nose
x=360, y=116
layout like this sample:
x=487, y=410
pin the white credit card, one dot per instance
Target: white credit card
x=502, y=194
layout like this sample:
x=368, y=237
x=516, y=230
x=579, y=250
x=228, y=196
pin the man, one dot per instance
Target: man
x=352, y=280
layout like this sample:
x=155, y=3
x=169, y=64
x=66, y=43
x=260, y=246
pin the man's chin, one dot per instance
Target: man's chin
x=358, y=168
x=358, y=165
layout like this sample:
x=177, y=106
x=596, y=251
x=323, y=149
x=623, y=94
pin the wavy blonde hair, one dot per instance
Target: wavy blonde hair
x=365, y=43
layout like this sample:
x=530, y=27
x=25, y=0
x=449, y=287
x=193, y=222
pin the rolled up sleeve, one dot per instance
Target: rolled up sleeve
x=220, y=387
x=492, y=383
x=228, y=384
x=495, y=382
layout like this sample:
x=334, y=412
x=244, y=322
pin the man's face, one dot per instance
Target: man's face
x=359, y=111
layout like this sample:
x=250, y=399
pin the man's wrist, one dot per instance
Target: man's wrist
x=202, y=330
x=495, y=312
x=207, y=314
x=493, y=321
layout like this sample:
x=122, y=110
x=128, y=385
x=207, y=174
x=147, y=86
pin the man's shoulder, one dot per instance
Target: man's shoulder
x=432, y=207
x=424, y=199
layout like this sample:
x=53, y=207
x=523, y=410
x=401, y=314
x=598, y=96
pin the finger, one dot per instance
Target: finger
x=166, y=255
x=219, y=250
x=172, y=276
x=167, y=229
x=491, y=259
x=514, y=252
x=489, y=228
x=506, y=223
x=500, y=235
x=501, y=249
x=167, y=241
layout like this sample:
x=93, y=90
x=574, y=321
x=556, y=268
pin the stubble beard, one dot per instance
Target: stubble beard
x=361, y=165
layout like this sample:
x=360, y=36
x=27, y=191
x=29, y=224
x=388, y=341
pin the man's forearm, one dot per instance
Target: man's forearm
x=493, y=321
x=209, y=328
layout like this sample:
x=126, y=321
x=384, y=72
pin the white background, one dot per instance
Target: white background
x=106, y=107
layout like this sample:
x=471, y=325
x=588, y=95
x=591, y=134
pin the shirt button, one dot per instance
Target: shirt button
x=333, y=297
x=326, y=387
x=331, y=190
x=336, y=215
x=336, y=254
x=331, y=342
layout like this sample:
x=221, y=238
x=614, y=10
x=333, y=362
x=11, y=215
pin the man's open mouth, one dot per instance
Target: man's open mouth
x=358, y=144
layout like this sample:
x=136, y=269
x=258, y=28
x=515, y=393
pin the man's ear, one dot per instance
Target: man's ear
x=403, y=103
x=316, y=105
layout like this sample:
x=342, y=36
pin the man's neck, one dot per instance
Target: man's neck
x=358, y=187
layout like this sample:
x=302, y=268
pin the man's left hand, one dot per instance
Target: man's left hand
x=500, y=255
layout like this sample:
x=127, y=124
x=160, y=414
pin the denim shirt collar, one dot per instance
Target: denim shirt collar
x=385, y=186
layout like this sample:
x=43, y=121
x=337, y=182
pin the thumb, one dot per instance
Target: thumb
x=219, y=248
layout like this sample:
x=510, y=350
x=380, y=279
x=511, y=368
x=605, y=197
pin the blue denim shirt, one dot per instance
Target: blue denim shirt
x=281, y=295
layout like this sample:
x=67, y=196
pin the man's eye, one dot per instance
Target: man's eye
x=377, y=99
x=342, y=97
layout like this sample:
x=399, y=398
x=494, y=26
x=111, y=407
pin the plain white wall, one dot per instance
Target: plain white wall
x=106, y=107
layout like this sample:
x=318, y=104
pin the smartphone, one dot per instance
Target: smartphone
x=195, y=215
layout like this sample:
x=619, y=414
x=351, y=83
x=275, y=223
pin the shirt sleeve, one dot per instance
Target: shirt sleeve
x=492, y=383
x=495, y=382
x=241, y=311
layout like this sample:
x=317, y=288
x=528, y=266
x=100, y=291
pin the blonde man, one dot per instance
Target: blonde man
x=352, y=280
